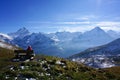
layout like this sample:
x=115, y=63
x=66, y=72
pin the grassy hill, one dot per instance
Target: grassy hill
x=51, y=68
x=5, y=57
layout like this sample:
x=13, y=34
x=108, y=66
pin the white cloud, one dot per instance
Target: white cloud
x=87, y=17
x=74, y=26
x=113, y=28
x=75, y=29
x=82, y=18
x=38, y=22
x=64, y=22
x=109, y=25
x=73, y=23
x=104, y=25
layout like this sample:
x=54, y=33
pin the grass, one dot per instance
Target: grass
x=47, y=68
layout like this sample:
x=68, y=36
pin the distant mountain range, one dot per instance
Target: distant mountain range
x=61, y=44
x=102, y=56
x=20, y=33
x=114, y=34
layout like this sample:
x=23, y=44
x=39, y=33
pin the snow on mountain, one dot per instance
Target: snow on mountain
x=102, y=56
x=5, y=37
x=64, y=41
x=53, y=36
x=113, y=34
x=6, y=45
x=60, y=42
x=66, y=36
x=63, y=36
x=92, y=38
x=95, y=37
x=22, y=32
x=40, y=44
x=75, y=42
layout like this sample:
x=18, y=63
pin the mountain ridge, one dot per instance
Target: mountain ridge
x=101, y=56
x=62, y=43
x=22, y=32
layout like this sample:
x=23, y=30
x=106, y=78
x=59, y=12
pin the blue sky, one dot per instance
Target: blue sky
x=59, y=15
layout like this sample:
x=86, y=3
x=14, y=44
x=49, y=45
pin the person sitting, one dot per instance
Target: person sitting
x=29, y=48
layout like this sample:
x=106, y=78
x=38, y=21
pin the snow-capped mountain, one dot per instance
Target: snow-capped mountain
x=113, y=34
x=5, y=41
x=40, y=44
x=5, y=37
x=60, y=42
x=7, y=45
x=102, y=56
x=92, y=38
x=63, y=36
x=22, y=32
x=64, y=41
x=72, y=43
x=95, y=37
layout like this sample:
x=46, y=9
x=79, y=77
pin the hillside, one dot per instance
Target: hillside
x=50, y=68
x=5, y=58
x=102, y=56
x=6, y=54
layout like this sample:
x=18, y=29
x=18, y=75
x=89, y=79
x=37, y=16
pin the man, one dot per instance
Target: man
x=29, y=48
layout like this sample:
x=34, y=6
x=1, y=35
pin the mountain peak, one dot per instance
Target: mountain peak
x=20, y=33
x=23, y=30
x=97, y=29
x=111, y=31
